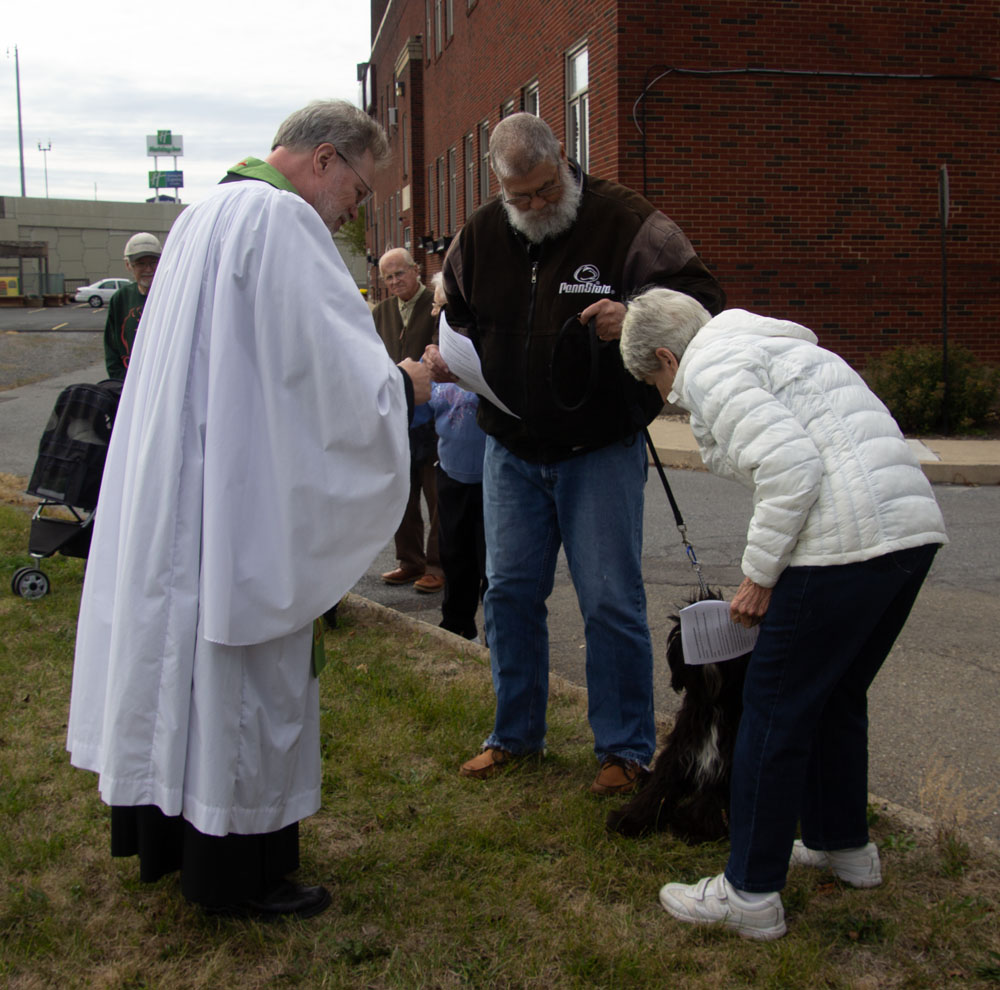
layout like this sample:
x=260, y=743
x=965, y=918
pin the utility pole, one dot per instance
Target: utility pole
x=20, y=133
x=45, y=159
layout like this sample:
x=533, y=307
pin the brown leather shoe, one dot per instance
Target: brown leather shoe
x=402, y=575
x=619, y=776
x=429, y=583
x=487, y=763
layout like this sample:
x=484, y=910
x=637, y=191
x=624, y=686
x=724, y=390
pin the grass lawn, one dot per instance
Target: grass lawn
x=437, y=881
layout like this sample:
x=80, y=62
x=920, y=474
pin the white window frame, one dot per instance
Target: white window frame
x=452, y=189
x=484, y=161
x=578, y=104
x=531, y=100
x=469, y=153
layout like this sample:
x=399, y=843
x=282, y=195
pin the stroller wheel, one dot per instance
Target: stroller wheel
x=30, y=583
x=16, y=578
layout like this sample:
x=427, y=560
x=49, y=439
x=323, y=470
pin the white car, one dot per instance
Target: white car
x=100, y=292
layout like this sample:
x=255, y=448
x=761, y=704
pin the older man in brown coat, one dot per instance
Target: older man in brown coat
x=406, y=325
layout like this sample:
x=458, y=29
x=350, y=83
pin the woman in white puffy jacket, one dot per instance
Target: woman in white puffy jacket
x=844, y=529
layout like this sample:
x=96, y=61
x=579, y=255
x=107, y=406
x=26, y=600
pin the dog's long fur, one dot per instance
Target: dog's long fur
x=688, y=791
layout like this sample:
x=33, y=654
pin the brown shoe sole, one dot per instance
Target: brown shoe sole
x=607, y=790
x=390, y=578
x=429, y=588
x=488, y=770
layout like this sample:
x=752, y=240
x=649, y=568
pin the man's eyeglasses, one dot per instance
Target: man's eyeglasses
x=523, y=201
x=371, y=192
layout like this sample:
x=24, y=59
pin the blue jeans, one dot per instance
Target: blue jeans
x=592, y=504
x=802, y=747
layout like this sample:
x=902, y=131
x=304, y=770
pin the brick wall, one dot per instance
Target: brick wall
x=798, y=145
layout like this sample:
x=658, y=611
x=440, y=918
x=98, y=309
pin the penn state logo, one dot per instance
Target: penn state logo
x=586, y=279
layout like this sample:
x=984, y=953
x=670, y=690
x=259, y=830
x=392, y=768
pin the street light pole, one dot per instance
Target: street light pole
x=45, y=159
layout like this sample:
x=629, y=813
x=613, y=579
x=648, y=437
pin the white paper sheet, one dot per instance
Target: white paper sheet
x=709, y=635
x=460, y=355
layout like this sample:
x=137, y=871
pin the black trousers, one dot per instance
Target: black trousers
x=215, y=870
x=462, y=544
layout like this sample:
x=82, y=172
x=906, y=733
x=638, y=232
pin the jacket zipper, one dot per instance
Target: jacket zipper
x=533, y=249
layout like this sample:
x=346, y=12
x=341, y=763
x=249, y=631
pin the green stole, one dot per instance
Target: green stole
x=254, y=168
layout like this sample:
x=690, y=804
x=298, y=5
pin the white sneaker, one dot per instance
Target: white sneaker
x=713, y=900
x=859, y=867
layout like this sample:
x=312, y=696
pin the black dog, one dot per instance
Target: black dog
x=688, y=791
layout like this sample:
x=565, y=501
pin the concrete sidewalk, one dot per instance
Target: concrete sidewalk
x=945, y=461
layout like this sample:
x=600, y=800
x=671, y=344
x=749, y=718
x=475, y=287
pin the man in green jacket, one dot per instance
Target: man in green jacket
x=142, y=254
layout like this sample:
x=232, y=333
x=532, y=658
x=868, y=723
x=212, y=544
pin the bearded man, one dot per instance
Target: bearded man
x=258, y=464
x=523, y=278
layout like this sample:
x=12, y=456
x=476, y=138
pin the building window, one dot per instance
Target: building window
x=469, y=153
x=449, y=19
x=442, y=197
x=431, y=201
x=484, y=162
x=507, y=108
x=408, y=239
x=428, y=30
x=577, y=105
x=530, y=99
x=438, y=27
x=406, y=155
x=452, y=188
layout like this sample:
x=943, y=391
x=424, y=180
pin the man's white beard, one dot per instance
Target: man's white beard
x=553, y=218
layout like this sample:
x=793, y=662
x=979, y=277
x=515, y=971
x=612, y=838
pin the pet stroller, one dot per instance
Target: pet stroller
x=67, y=477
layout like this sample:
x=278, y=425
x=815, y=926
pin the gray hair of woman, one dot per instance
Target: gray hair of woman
x=437, y=288
x=347, y=127
x=658, y=318
x=519, y=143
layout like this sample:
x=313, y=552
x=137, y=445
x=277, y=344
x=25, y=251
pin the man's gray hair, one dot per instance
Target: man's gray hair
x=347, y=127
x=519, y=143
x=658, y=318
x=402, y=252
x=437, y=281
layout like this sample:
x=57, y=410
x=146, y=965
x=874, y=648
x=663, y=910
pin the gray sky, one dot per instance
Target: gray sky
x=97, y=78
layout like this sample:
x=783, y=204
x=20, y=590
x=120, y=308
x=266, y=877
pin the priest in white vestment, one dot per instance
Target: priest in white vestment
x=258, y=464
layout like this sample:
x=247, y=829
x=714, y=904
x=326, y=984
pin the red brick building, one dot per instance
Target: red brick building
x=799, y=145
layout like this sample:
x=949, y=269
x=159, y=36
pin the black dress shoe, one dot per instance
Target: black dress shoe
x=287, y=898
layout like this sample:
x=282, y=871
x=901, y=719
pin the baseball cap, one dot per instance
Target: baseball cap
x=141, y=244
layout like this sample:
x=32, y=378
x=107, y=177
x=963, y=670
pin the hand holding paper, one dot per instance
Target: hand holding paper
x=709, y=635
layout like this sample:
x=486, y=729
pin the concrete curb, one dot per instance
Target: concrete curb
x=943, y=460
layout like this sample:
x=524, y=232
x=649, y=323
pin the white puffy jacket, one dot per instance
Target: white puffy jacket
x=833, y=479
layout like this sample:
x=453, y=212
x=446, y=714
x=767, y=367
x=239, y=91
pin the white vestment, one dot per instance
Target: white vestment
x=258, y=463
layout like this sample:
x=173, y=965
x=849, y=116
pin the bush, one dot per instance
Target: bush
x=910, y=382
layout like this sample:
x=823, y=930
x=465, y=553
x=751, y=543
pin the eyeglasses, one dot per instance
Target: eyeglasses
x=523, y=201
x=392, y=276
x=371, y=192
